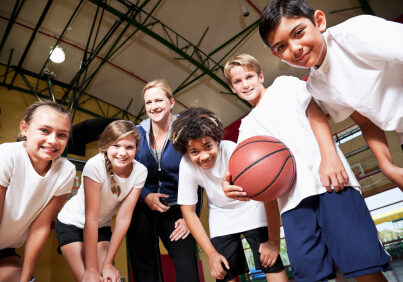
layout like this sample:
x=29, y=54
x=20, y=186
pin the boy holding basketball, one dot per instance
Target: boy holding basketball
x=356, y=68
x=197, y=134
x=320, y=227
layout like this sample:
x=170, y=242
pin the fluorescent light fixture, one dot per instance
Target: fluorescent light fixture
x=57, y=55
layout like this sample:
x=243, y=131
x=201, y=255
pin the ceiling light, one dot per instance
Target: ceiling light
x=57, y=55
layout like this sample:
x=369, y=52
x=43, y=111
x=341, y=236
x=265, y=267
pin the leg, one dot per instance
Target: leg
x=255, y=237
x=375, y=277
x=10, y=269
x=276, y=276
x=73, y=253
x=143, y=245
x=307, y=251
x=182, y=252
x=230, y=246
x=351, y=235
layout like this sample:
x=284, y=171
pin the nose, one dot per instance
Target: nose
x=295, y=47
x=52, y=138
x=204, y=156
x=121, y=151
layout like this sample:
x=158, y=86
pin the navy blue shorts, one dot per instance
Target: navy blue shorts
x=230, y=246
x=333, y=227
x=66, y=234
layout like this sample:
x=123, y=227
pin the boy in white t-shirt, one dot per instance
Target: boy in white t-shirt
x=356, y=68
x=197, y=134
x=321, y=225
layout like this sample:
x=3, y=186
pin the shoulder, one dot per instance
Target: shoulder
x=12, y=150
x=288, y=82
x=227, y=146
x=357, y=26
x=140, y=167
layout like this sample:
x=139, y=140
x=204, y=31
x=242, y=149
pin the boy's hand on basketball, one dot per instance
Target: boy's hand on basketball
x=110, y=273
x=153, y=201
x=332, y=172
x=181, y=230
x=233, y=191
x=268, y=253
x=91, y=276
x=216, y=262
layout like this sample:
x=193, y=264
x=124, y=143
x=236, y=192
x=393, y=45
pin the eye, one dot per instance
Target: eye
x=209, y=146
x=299, y=32
x=63, y=136
x=193, y=152
x=279, y=48
x=237, y=81
x=44, y=130
x=249, y=76
x=130, y=147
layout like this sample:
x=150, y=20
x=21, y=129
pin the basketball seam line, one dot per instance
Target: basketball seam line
x=256, y=141
x=277, y=176
x=259, y=160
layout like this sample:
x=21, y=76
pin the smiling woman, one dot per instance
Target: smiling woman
x=158, y=215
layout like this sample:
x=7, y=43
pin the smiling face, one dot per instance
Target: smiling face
x=203, y=152
x=121, y=153
x=247, y=84
x=158, y=105
x=299, y=42
x=46, y=135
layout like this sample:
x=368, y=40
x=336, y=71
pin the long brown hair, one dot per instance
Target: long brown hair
x=113, y=132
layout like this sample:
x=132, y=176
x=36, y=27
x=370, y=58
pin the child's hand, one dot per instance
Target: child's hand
x=216, y=261
x=233, y=191
x=110, y=273
x=332, y=172
x=268, y=253
x=181, y=230
x=91, y=276
x=152, y=200
x=395, y=174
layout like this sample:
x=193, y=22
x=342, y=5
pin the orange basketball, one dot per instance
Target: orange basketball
x=264, y=167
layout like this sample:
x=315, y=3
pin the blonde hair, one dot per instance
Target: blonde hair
x=116, y=130
x=159, y=83
x=242, y=60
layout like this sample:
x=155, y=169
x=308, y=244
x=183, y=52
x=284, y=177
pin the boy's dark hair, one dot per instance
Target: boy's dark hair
x=276, y=9
x=195, y=123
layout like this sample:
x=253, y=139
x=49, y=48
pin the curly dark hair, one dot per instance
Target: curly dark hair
x=195, y=123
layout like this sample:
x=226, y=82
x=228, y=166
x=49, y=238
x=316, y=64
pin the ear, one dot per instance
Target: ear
x=23, y=127
x=172, y=101
x=320, y=20
x=261, y=77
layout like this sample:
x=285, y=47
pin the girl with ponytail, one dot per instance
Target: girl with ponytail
x=111, y=179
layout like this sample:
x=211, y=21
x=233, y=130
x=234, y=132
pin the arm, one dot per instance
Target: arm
x=331, y=170
x=92, y=191
x=198, y=232
x=37, y=235
x=376, y=140
x=122, y=224
x=233, y=191
x=2, y=198
x=269, y=250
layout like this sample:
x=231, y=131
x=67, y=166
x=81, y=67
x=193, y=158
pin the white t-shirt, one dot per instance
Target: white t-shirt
x=73, y=212
x=226, y=216
x=281, y=114
x=28, y=193
x=362, y=71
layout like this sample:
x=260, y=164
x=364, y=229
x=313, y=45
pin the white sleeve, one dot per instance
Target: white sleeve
x=95, y=169
x=6, y=165
x=140, y=176
x=68, y=184
x=187, y=186
x=373, y=38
